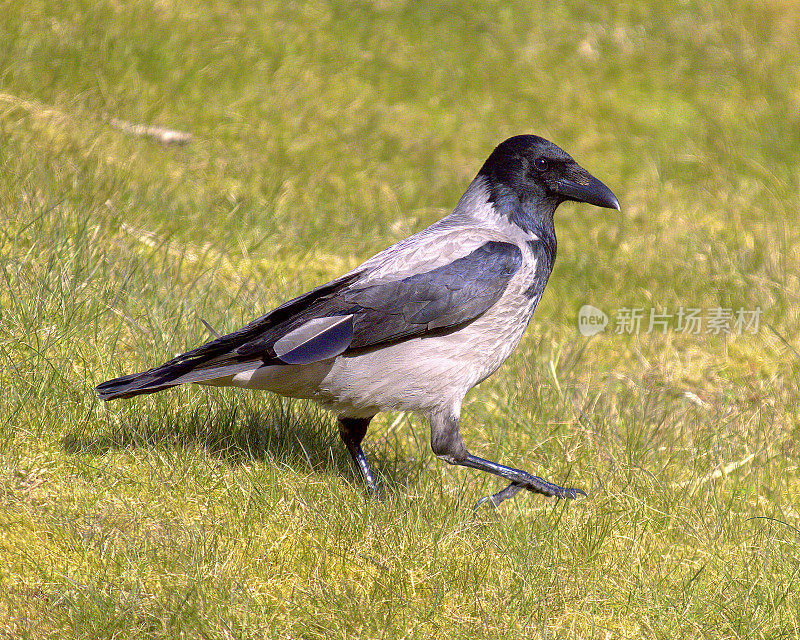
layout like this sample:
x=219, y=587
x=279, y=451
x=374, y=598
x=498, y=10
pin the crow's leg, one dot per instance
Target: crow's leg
x=447, y=443
x=352, y=431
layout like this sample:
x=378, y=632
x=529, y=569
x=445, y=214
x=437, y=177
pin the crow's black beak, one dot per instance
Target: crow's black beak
x=581, y=186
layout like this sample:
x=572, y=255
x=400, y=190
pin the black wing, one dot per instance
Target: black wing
x=444, y=297
x=373, y=314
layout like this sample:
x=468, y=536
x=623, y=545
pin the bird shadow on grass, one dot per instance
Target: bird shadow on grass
x=279, y=432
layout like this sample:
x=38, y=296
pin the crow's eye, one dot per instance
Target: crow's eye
x=541, y=164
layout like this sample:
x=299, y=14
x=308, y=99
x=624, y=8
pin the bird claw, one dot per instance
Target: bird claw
x=495, y=499
x=566, y=493
x=376, y=494
x=538, y=486
x=482, y=501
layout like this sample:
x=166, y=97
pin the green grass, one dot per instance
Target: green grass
x=324, y=132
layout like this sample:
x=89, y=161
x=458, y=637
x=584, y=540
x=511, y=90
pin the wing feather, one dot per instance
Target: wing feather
x=348, y=313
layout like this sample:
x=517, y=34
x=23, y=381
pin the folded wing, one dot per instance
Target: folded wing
x=346, y=314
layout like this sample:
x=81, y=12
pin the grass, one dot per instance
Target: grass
x=322, y=133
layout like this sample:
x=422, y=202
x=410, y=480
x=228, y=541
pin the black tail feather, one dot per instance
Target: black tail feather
x=224, y=350
x=135, y=384
x=170, y=373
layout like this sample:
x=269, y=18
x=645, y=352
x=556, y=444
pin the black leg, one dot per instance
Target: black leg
x=520, y=479
x=352, y=431
x=448, y=444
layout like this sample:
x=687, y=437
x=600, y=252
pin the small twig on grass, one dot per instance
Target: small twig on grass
x=160, y=134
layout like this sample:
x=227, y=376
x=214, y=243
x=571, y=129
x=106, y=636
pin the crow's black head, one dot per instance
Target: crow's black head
x=539, y=173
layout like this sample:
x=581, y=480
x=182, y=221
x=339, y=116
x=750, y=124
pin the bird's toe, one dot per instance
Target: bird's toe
x=539, y=485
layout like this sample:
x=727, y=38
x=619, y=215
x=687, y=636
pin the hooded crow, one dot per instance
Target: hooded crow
x=416, y=326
